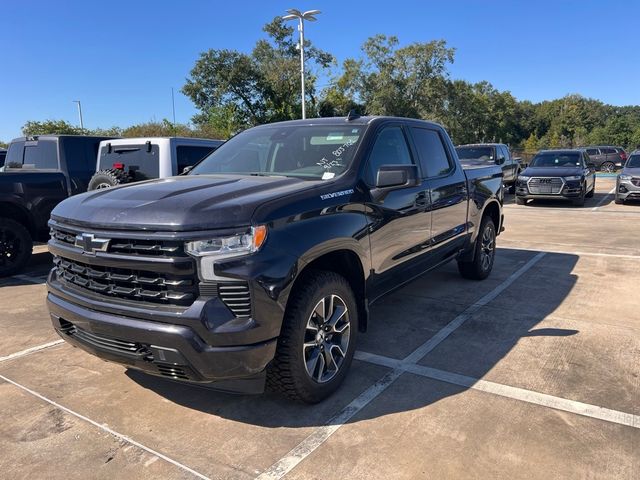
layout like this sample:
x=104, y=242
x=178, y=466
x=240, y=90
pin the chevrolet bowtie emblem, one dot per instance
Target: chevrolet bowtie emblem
x=90, y=244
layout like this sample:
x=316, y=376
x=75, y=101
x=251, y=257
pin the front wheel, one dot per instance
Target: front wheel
x=485, y=251
x=318, y=337
x=521, y=201
x=579, y=202
x=15, y=247
x=592, y=191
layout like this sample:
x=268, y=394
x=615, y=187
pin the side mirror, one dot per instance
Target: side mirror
x=186, y=170
x=393, y=177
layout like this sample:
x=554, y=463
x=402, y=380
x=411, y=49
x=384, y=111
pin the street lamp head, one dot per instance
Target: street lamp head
x=295, y=11
x=290, y=17
x=309, y=18
x=311, y=12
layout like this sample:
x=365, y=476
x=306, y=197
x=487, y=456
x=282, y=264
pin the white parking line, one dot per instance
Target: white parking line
x=516, y=393
x=604, y=199
x=106, y=429
x=573, y=252
x=321, y=434
x=28, y=351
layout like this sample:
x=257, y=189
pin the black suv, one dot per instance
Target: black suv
x=557, y=174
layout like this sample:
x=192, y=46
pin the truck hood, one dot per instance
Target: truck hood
x=552, y=171
x=194, y=202
x=632, y=171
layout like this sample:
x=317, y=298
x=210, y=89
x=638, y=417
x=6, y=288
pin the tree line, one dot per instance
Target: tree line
x=234, y=90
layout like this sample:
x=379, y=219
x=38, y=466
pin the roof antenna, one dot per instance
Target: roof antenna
x=352, y=115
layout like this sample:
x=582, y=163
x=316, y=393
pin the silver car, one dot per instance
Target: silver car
x=628, y=182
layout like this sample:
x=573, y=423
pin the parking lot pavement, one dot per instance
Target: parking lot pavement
x=532, y=373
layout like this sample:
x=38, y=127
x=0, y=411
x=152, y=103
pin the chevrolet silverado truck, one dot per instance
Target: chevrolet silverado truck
x=557, y=175
x=39, y=172
x=259, y=266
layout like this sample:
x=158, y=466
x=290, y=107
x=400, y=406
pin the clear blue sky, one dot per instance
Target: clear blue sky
x=121, y=58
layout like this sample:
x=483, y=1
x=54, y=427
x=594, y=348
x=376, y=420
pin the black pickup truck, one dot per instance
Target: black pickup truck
x=492, y=154
x=261, y=263
x=39, y=172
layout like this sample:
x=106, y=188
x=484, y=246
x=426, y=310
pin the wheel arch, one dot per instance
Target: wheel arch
x=347, y=263
x=19, y=214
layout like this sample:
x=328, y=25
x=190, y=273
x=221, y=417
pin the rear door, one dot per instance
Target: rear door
x=596, y=157
x=400, y=223
x=447, y=185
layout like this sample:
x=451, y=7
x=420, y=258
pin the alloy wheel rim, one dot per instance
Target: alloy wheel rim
x=488, y=247
x=608, y=167
x=9, y=247
x=326, y=339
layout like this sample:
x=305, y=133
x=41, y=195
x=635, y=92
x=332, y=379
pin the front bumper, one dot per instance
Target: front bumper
x=565, y=194
x=626, y=190
x=168, y=350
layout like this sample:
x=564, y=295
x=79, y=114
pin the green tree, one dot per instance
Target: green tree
x=531, y=143
x=54, y=127
x=234, y=90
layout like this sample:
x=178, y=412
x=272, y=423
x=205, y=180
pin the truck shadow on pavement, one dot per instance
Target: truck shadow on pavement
x=474, y=349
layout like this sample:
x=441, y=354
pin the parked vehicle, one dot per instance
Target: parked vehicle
x=39, y=172
x=606, y=158
x=261, y=263
x=628, y=181
x=493, y=154
x=134, y=159
x=557, y=174
x=3, y=155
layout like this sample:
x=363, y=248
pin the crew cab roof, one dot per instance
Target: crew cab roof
x=364, y=120
x=31, y=138
x=481, y=145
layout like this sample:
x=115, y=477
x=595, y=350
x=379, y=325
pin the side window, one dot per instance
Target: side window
x=592, y=151
x=390, y=148
x=188, y=155
x=608, y=151
x=505, y=153
x=42, y=154
x=433, y=155
x=15, y=154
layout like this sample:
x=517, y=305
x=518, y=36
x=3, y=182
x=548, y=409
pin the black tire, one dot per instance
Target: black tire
x=15, y=247
x=485, y=251
x=108, y=178
x=591, y=192
x=521, y=201
x=619, y=201
x=579, y=202
x=288, y=372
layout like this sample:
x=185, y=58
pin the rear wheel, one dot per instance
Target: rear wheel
x=485, y=250
x=608, y=167
x=15, y=247
x=317, y=342
x=108, y=178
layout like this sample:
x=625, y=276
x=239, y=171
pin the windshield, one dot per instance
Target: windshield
x=483, y=154
x=561, y=159
x=312, y=152
x=633, y=162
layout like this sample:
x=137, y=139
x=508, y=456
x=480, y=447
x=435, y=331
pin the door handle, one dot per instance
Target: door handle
x=421, y=199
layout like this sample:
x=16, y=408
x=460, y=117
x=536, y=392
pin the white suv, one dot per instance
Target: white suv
x=128, y=160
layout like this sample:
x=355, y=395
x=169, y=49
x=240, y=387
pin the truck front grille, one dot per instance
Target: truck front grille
x=123, y=347
x=126, y=246
x=126, y=284
x=545, y=185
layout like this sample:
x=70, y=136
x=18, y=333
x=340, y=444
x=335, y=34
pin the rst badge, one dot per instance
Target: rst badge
x=90, y=244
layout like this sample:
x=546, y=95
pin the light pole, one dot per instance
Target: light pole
x=309, y=15
x=80, y=113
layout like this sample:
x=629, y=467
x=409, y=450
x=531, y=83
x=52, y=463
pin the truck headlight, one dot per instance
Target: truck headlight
x=624, y=178
x=573, y=177
x=210, y=250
